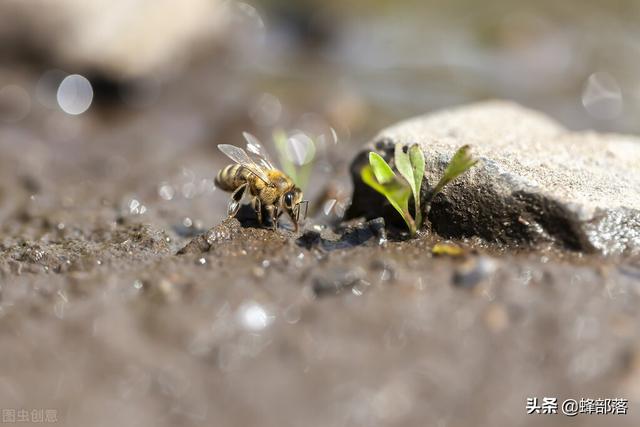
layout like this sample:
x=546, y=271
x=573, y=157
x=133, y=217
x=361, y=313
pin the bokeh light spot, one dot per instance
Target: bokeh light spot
x=75, y=94
x=300, y=149
x=253, y=317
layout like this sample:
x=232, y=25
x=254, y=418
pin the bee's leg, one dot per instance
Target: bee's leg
x=272, y=211
x=294, y=219
x=257, y=206
x=236, y=198
x=233, y=208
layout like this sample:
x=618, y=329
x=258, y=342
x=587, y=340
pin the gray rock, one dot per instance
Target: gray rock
x=537, y=182
x=120, y=42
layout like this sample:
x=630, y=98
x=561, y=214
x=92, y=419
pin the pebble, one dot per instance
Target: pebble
x=473, y=271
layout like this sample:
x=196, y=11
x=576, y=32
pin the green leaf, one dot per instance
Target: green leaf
x=461, y=162
x=417, y=163
x=416, y=157
x=396, y=192
x=403, y=164
x=410, y=164
x=381, y=169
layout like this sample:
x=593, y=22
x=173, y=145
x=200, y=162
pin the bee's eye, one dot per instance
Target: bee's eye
x=288, y=200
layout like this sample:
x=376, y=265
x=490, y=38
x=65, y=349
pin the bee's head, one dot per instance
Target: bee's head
x=291, y=201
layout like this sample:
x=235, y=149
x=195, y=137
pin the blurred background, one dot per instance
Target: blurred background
x=115, y=109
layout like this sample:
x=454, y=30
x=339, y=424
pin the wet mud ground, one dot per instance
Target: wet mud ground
x=125, y=298
x=112, y=316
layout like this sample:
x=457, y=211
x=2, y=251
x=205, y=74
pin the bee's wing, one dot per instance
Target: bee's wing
x=239, y=156
x=255, y=148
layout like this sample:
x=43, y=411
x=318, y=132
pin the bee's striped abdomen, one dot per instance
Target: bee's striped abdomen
x=231, y=177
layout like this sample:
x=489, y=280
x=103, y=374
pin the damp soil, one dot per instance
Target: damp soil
x=133, y=322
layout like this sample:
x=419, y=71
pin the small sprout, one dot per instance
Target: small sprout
x=461, y=162
x=379, y=176
x=411, y=166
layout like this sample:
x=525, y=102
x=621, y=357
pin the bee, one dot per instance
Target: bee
x=270, y=189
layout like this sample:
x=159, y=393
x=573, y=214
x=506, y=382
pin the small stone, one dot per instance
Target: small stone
x=473, y=271
x=309, y=239
x=377, y=227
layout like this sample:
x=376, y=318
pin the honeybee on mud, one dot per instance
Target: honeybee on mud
x=272, y=192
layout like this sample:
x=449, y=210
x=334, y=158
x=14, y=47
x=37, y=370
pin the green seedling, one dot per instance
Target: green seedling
x=461, y=162
x=411, y=164
x=396, y=191
x=411, y=167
